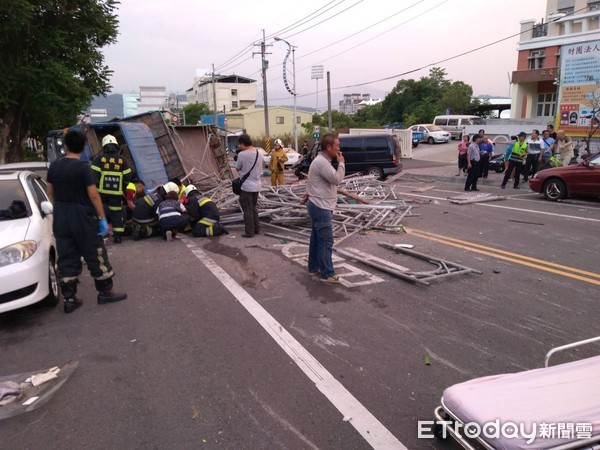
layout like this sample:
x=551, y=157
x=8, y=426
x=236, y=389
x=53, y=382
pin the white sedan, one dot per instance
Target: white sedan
x=293, y=157
x=28, y=271
x=431, y=133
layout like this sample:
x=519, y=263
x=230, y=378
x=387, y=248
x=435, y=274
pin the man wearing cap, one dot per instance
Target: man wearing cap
x=515, y=161
x=112, y=175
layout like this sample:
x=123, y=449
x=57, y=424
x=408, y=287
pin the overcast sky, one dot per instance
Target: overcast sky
x=165, y=43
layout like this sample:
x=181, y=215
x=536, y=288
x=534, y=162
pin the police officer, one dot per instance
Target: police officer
x=112, y=175
x=516, y=161
x=204, y=214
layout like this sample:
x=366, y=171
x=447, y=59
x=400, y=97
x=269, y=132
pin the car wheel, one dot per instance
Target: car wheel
x=52, y=298
x=430, y=140
x=375, y=172
x=555, y=189
x=499, y=169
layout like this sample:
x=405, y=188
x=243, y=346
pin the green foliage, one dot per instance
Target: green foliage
x=193, y=112
x=413, y=101
x=51, y=65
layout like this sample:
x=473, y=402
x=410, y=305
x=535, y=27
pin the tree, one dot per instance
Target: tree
x=193, y=112
x=51, y=65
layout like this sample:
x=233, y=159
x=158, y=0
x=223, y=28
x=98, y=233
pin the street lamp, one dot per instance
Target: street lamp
x=292, y=49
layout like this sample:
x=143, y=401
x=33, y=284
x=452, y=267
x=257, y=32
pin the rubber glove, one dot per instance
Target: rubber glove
x=102, y=227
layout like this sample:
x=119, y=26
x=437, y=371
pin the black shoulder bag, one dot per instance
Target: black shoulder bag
x=236, y=185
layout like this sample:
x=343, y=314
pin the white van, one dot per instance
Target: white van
x=455, y=125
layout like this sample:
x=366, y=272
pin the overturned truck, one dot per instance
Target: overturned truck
x=156, y=150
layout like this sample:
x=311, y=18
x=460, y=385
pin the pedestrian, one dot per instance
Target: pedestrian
x=517, y=156
x=204, y=214
x=546, y=154
x=79, y=224
x=304, y=149
x=553, y=134
x=277, y=163
x=486, y=149
x=481, y=134
x=563, y=146
x=534, y=148
x=250, y=162
x=508, y=151
x=473, y=157
x=112, y=175
x=172, y=216
x=320, y=199
x=462, y=155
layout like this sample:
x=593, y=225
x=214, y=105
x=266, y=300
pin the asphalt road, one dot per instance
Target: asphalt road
x=228, y=343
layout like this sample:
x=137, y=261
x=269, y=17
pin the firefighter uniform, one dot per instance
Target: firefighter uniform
x=277, y=164
x=112, y=175
x=204, y=214
x=144, y=214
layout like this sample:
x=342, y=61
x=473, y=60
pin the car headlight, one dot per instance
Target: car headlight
x=16, y=253
x=535, y=175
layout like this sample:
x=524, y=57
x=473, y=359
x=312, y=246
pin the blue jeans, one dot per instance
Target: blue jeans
x=321, y=241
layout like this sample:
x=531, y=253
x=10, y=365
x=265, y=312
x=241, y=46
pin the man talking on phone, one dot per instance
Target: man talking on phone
x=320, y=199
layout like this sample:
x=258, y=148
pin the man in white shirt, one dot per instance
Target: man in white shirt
x=534, y=148
x=249, y=161
x=320, y=199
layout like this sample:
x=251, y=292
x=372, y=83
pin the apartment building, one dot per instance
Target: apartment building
x=569, y=27
x=233, y=92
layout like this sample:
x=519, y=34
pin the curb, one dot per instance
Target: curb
x=457, y=180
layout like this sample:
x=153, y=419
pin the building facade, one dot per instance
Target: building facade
x=281, y=121
x=152, y=98
x=535, y=83
x=351, y=103
x=233, y=92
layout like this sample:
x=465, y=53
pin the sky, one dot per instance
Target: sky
x=166, y=43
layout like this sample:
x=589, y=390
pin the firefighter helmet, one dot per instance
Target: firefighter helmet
x=109, y=139
x=189, y=189
x=278, y=142
x=170, y=187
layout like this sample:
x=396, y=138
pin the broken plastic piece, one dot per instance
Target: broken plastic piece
x=29, y=401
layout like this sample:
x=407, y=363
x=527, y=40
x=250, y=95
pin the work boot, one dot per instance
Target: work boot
x=117, y=238
x=71, y=304
x=137, y=233
x=110, y=297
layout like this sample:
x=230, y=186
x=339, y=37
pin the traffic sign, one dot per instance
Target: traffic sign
x=316, y=135
x=317, y=129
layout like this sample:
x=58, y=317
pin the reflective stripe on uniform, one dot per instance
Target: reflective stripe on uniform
x=204, y=201
x=115, y=208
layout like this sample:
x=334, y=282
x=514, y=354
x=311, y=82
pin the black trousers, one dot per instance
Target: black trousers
x=531, y=165
x=75, y=229
x=518, y=166
x=484, y=166
x=472, y=176
x=248, y=201
x=113, y=207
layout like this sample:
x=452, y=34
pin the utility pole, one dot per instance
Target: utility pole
x=265, y=66
x=329, y=117
x=214, y=83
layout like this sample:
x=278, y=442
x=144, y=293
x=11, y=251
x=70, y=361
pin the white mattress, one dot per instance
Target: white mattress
x=567, y=393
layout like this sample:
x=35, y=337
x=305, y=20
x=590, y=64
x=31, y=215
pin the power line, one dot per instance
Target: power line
x=440, y=61
x=307, y=18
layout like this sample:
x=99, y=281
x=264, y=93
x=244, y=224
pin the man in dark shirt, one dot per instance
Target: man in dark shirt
x=79, y=224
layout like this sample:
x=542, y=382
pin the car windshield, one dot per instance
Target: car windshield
x=434, y=128
x=595, y=160
x=13, y=201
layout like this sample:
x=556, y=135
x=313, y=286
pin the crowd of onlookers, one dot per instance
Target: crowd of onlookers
x=524, y=156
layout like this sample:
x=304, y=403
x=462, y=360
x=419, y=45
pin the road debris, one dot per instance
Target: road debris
x=478, y=197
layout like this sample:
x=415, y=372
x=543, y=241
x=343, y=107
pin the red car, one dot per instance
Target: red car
x=569, y=181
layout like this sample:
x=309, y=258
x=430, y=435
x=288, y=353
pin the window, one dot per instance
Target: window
x=568, y=10
x=441, y=121
x=234, y=104
x=452, y=122
x=546, y=104
x=234, y=92
x=298, y=120
x=351, y=145
x=279, y=120
x=536, y=59
x=593, y=5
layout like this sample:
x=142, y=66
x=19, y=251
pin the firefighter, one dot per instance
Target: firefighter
x=144, y=212
x=79, y=224
x=181, y=187
x=204, y=214
x=112, y=175
x=133, y=191
x=277, y=163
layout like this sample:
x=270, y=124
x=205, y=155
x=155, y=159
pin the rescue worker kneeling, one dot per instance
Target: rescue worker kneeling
x=144, y=212
x=204, y=214
x=172, y=216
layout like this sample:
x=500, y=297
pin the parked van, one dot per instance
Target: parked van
x=455, y=125
x=370, y=154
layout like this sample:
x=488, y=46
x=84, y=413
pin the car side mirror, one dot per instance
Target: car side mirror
x=46, y=208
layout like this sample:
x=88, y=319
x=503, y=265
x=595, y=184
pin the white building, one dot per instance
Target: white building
x=351, y=103
x=152, y=98
x=535, y=82
x=233, y=92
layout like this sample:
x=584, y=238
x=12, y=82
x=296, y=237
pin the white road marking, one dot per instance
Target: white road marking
x=367, y=425
x=530, y=211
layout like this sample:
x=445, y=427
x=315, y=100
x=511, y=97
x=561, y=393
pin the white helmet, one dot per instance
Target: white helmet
x=278, y=142
x=170, y=187
x=189, y=189
x=109, y=139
